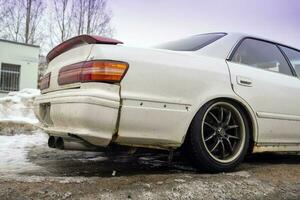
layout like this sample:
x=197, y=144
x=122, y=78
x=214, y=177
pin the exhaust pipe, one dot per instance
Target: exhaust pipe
x=77, y=145
x=52, y=142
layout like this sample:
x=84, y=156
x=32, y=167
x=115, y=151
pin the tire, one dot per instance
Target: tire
x=218, y=142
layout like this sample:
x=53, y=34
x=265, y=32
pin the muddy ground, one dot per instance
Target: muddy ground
x=147, y=175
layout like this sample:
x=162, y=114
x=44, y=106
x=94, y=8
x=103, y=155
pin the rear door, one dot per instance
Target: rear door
x=264, y=78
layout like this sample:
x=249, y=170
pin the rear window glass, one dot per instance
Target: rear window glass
x=192, y=43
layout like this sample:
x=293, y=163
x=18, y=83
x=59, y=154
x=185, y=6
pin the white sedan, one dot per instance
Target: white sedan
x=218, y=96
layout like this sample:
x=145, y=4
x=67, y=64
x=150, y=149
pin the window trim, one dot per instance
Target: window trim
x=291, y=64
x=236, y=47
x=288, y=61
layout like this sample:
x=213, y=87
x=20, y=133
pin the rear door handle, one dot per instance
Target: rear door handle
x=244, y=81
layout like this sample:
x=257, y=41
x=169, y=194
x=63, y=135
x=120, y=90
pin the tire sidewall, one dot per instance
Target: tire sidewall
x=203, y=159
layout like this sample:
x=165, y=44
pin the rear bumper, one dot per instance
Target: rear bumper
x=90, y=114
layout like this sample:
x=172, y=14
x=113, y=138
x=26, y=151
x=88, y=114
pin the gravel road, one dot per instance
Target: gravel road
x=58, y=174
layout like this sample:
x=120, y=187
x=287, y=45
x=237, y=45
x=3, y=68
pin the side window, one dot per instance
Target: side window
x=262, y=55
x=294, y=57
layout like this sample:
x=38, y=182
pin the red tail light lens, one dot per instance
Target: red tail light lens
x=70, y=74
x=45, y=81
x=93, y=71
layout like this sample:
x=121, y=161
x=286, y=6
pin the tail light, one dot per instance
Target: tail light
x=45, y=81
x=93, y=71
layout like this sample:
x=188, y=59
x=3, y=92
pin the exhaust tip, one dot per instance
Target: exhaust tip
x=60, y=143
x=52, y=142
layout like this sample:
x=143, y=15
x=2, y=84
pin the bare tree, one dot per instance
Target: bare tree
x=64, y=15
x=2, y=11
x=12, y=20
x=20, y=20
x=29, y=21
x=80, y=7
x=77, y=17
x=92, y=17
x=28, y=13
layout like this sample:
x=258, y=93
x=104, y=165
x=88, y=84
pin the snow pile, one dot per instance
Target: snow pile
x=18, y=107
x=18, y=133
x=14, y=150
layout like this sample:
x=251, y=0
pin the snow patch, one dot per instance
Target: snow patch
x=18, y=106
x=16, y=119
x=14, y=150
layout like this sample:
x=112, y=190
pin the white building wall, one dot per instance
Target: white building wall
x=24, y=55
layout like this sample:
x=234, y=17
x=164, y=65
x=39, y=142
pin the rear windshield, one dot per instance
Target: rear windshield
x=192, y=43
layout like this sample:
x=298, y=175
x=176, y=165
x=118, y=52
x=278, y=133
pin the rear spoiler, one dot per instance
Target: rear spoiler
x=69, y=44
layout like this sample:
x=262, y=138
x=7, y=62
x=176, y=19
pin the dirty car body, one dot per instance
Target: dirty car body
x=98, y=92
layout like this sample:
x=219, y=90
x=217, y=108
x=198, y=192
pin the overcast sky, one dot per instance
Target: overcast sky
x=149, y=22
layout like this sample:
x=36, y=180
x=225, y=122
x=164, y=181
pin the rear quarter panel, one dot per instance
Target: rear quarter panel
x=162, y=91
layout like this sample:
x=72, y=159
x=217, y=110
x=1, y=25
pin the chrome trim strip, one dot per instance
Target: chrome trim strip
x=278, y=116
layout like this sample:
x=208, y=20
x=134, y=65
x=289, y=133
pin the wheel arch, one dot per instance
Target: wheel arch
x=246, y=110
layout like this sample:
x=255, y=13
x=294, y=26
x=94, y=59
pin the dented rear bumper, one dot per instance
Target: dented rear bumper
x=90, y=114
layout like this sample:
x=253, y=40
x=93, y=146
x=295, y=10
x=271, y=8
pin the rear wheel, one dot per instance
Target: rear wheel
x=218, y=137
